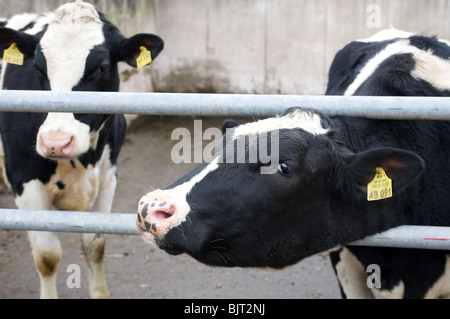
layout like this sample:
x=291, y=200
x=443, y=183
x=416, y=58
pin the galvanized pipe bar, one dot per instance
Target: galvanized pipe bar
x=424, y=108
x=68, y=221
x=407, y=236
x=424, y=237
x=430, y=108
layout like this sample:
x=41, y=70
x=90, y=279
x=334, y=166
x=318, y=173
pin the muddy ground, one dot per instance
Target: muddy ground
x=135, y=269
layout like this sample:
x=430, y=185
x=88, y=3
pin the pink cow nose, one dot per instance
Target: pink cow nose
x=57, y=145
x=155, y=216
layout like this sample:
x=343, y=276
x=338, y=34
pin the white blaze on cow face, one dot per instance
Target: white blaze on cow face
x=75, y=29
x=301, y=119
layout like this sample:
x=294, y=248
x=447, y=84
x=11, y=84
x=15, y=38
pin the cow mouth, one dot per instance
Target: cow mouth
x=56, y=157
x=161, y=244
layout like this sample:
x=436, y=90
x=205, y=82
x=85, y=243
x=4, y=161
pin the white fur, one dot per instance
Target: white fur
x=432, y=69
x=387, y=34
x=74, y=30
x=19, y=21
x=46, y=245
x=297, y=119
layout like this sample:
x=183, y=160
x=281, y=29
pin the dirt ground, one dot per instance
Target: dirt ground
x=137, y=270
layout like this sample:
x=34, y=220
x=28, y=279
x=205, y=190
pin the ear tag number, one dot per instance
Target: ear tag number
x=381, y=186
x=144, y=58
x=13, y=55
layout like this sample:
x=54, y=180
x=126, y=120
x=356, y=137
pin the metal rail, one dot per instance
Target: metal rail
x=423, y=237
x=255, y=105
x=68, y=221
x=417, y=108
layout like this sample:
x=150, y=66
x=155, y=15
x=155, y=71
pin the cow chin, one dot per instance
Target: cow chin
x=162, y=244
x=223, y=251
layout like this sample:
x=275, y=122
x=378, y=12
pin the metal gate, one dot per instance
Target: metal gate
x=412, y=108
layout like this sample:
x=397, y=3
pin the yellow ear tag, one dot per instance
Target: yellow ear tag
x=13, y=55
x=380, y=187
x=144, y=58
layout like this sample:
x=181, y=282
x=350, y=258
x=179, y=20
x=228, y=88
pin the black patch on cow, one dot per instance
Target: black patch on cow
x=144, y=210
x=438, y=48
x=28, y=26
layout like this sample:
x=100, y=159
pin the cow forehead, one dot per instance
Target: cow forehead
x=74, y=30
x=300, y=118
x=77, y=11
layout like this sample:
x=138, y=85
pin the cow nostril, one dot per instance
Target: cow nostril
x=155, y=216
x=163, y=214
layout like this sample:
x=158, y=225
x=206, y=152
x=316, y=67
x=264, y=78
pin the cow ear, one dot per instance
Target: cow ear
x=26, y=43
x=401, y=166
x=131, y=47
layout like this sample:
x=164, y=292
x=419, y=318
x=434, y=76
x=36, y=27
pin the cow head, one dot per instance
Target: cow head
x=74, y=49
x=230, y=214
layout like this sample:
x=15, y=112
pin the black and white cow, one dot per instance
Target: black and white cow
x=230, y=214
x=66, y=161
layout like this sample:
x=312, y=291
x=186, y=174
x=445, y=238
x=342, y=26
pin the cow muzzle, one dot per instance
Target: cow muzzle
x=156, y=214
x=56, y=145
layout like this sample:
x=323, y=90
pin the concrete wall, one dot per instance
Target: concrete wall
x=252, y=46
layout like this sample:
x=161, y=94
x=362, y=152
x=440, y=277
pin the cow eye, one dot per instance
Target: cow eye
x=102, y=68
x=285, y=169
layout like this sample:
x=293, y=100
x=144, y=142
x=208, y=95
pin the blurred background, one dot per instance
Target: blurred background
x=256, y=46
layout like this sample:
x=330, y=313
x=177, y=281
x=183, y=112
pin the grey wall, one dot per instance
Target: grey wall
x=252, y=46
